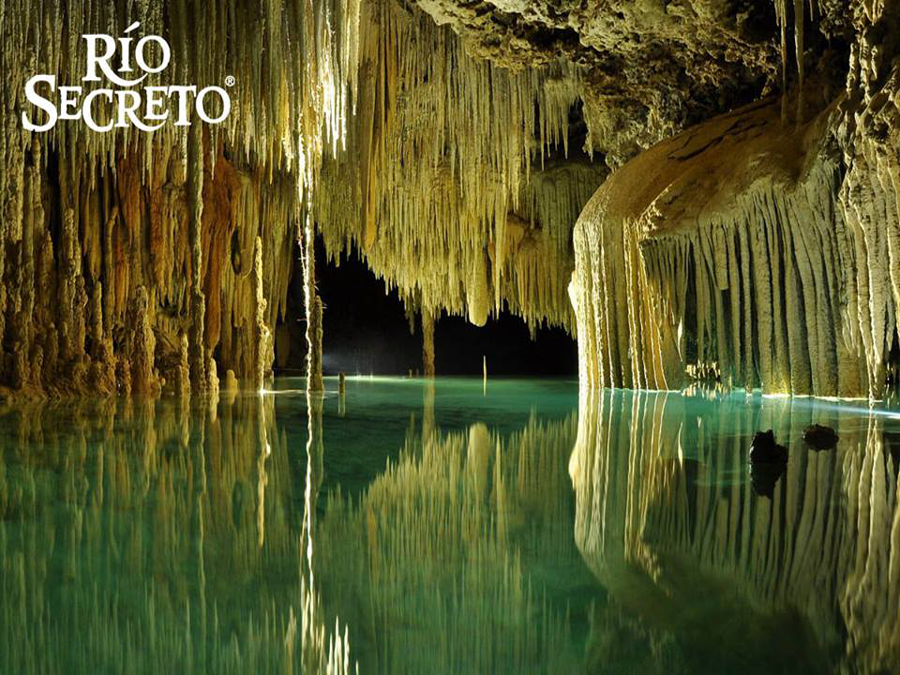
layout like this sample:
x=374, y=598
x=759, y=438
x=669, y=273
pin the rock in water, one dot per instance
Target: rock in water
x=764, y=476
x=819, y=437
x=765, y=449
x=768, y=461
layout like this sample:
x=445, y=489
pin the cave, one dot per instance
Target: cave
x=438, y=336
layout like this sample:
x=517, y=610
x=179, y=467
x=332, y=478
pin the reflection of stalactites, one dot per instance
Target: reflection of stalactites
x=868, y=601
x=316, y=656
x=154, y=538
x=262, y=479
x=200, y=612
x=314, y=462
x=451, y=531
x=478, y=455
x=827, y=541
x=428, y=427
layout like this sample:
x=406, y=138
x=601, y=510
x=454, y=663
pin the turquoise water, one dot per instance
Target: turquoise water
x=414, y=527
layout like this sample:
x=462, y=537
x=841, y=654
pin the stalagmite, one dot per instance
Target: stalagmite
x=182, y=373
x=231, y=383
x=141, y=347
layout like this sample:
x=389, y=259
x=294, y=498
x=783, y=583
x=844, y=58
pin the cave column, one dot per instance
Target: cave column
x=196, y=346
x=264, y=350
x=313, y=304
x=427, y=317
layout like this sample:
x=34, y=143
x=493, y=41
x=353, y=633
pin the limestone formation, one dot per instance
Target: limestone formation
x=452, y=147
x=313, y=305
x=732, y=249
x=90, y=218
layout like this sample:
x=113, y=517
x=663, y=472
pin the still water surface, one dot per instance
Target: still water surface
x=410, y=527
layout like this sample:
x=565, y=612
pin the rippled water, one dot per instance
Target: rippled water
x=409, y=527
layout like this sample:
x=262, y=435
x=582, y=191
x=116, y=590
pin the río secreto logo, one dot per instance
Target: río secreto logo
x=147, y=108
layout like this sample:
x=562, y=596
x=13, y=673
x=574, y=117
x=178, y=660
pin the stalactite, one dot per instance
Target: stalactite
x=447, y=189
x=197, y=336
x=264, y=353
x=69, y=275
x=135, y=213
x=785, y=276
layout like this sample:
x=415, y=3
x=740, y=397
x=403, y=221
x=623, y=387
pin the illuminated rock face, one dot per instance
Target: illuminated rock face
x=755, y=249
x=758, y=248
x=650, y=68
x=125, y=243
x=448, y=174
x=458, y=182
x=724, y=249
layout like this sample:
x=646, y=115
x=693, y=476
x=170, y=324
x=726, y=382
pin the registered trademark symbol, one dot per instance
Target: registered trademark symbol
x=229, y=81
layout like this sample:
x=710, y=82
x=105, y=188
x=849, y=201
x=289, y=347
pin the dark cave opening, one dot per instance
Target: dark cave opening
x=367, y=331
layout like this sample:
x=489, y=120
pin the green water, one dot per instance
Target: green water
x=410, y=527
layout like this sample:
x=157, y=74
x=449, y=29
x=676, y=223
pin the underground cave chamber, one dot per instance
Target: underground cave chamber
x=431, y=336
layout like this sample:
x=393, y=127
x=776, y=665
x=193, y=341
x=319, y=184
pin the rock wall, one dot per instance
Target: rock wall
x=722, y=252
x=454, y=159
x=138, y=261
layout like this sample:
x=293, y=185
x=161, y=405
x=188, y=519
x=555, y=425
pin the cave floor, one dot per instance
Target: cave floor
x=448, y=526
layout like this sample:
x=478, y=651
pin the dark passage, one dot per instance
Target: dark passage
x=367, y=331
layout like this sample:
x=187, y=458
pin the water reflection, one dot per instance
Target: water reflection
x=153, y=537
x=622, y=536
x=668, y=520
x=435, y=556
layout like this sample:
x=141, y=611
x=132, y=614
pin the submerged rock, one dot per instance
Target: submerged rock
x=765, y=449
x=764, y=476
x=768, y=461
x=820, y=437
